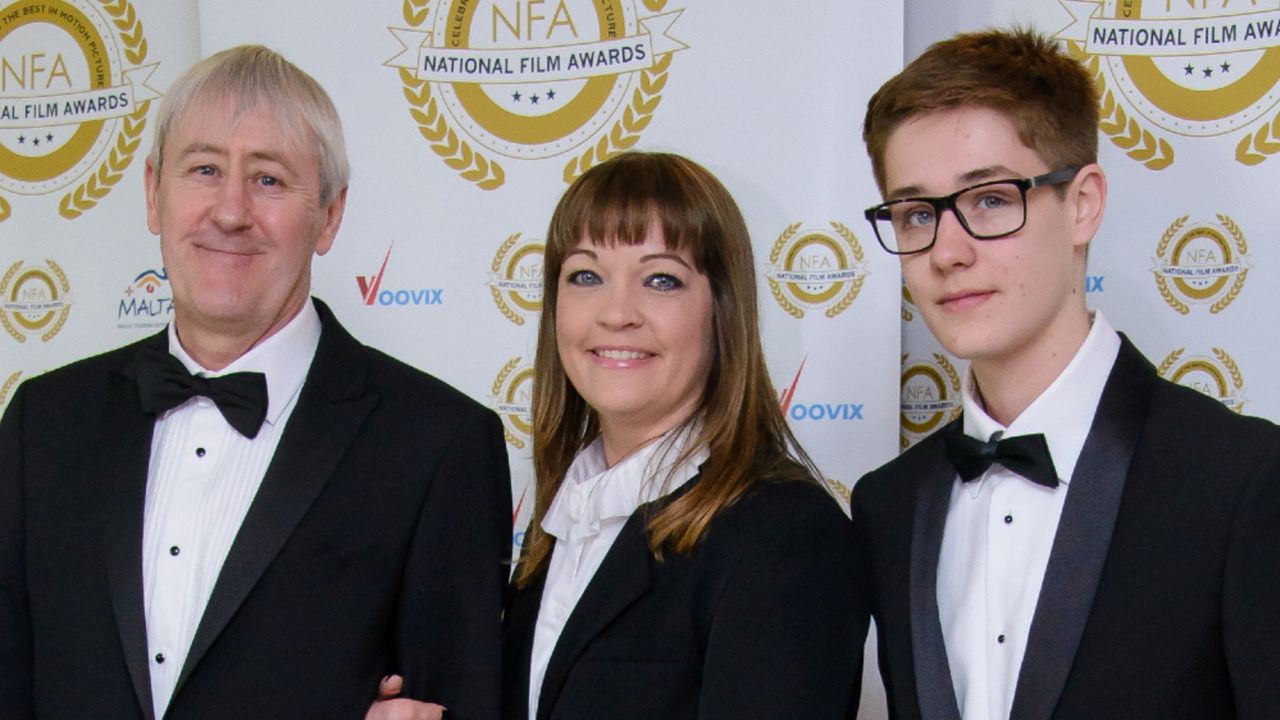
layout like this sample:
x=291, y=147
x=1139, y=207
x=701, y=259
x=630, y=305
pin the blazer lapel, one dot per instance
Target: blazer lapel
x=1083, y=536
x=934, y=691
x=331, y=408
x=520, y=622
x=125, y=453
x=622, y=577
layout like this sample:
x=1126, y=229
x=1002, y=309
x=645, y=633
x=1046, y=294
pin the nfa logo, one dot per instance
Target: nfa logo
x=532, y=79
x=371, y=291
x=930, y=397
x=1182, y=67
x=1201, y=264
x=37, y=300
x=147, y=302
x=800, y=412
x=515, y=279
x=1217, y=376
x=9, y=384
x=73, y=99
x=818, y=269
x=511, y=397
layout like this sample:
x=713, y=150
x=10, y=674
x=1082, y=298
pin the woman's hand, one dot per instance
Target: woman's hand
x=389, y=707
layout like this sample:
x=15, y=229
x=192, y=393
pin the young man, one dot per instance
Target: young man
x=1088, y=540
x=249, y=515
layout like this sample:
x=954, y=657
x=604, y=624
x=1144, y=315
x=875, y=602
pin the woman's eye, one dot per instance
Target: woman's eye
x=582, y=277
x=663, y=281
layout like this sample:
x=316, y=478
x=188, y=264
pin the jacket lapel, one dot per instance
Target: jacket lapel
x=125, y=453
x=934, y=690
x=1083, y=536
x=623, y=577
x=519, y=624
x=331, y=408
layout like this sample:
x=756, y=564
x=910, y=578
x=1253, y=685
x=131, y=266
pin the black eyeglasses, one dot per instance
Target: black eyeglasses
x=987, y=211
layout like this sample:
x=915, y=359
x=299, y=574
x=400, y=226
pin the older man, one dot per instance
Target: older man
x=250, y=514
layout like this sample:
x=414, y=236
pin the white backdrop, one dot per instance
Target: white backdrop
x=439, y=258
x=457, y=168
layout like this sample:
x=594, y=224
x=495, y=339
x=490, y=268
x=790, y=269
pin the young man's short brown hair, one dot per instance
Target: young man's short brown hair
x=1049, y=96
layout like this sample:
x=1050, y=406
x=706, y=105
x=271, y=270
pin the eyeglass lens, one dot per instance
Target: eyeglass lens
x=987, y=211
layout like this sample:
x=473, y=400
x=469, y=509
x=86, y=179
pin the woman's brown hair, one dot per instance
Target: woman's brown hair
x=739, y=421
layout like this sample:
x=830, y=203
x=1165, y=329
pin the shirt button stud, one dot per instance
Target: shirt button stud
x=160, y=658
x=1000, y=639
x=199, y=452
x=174, y=551
x=1008, y=519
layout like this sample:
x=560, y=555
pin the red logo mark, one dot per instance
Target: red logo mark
x=369, y=286
x=789, y=393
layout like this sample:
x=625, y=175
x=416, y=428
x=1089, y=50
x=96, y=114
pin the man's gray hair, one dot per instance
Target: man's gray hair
x=253, y=76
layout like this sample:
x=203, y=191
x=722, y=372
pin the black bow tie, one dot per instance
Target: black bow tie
x=1026, y=455
x=164, y=383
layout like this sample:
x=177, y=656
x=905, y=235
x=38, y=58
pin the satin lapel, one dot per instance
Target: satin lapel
x=1083, y=536
x=125, y=452
x=623, y=576
x=331, y=408
x=934, y=690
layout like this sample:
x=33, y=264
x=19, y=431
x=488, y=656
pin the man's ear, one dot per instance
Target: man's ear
x=1088, y=196
x=332, y=221
x=151, y=182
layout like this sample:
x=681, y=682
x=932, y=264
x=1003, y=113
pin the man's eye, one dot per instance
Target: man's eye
x=269, y=181
x=915, y=217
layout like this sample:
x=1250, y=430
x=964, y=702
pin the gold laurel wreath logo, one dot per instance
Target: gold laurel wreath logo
x=62, y=314
x=838, y=489
x=907, y=301
x=434, y=127
x=1255, y=147
x=501, y=302
x=497, y=393
x=8, y=387
x=4, y=316
x=626, y=131
x=1228, y=362
x=903, y=442
x=1242, y=247
x=1162, y=282
x=5, y=210
x=953, y=379
x=1169, y=361
x=774, y=286
x=855, y=285
x=1125, y=132
x=99, y=183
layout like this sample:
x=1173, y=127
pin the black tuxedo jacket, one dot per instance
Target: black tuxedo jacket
x=1161, y=599
x=375, y=544
x=760, y=621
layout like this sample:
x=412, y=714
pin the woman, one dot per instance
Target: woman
x=682, y=561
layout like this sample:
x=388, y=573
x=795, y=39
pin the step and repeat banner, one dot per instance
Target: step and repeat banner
x=1186, y=260
x=466, y=119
